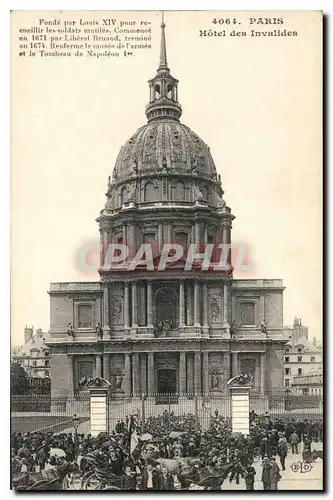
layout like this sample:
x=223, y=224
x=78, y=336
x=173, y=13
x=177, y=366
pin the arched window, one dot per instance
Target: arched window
x=170, y=91
x=149, y=192
x=248, y=313
x=181, y=238
x=157, y=91
x=299, y=349
x=85, y=319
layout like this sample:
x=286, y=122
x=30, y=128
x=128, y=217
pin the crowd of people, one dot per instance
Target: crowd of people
x=171, y=437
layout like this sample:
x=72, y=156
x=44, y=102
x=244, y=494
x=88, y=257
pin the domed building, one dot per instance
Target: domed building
x=178, y=329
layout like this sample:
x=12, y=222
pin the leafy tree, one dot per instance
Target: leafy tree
x=19, y=382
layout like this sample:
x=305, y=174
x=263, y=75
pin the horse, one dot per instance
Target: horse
x=50, y=479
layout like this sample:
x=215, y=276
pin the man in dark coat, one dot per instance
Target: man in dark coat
x=150, y=479
x=265, y=477
x=249, y=478
x=282, y=452
x=274, y=474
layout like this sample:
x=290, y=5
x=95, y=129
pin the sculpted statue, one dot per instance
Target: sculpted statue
x=216, y=381
x=131, y=194
x=99, y=331
x=119, y=381
x=263, y=326
x=70, y=330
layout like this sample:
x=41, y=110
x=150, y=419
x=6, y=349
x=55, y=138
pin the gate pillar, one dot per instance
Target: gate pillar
x=239, y=389
x=99, y=418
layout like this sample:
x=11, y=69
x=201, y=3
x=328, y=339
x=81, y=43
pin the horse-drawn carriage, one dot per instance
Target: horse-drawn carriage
x=51, y=480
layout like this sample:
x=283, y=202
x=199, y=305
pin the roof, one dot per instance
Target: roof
x=36, y=342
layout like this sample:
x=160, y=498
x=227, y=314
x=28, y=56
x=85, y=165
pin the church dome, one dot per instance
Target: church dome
x=164, y=146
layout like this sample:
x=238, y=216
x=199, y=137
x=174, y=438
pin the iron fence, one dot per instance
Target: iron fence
x=32, y=412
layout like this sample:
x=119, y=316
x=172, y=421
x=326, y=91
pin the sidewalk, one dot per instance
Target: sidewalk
x=312, y=480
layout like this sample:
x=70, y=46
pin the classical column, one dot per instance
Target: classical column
x=189, y=304
x=126, y=305
x=196, y=304
x=205, y=304
x=98, y=361
x=149, y=304
x=106, y=367
x=131, y=240
x=190, y=374
x=136, y=374
x=226, y=367
x=262, y=372
x=160, y=236
x=205, y=372
x=197, y=373
x=197, y=232
x=206, y=234
x=225, y=306
x=106, y=327
x=169, y=233
x=235, y=364
x=151, y=374
x=127, y=374
x=261, y=309
x=226, y=240
x=124, y=233
x=101, y=247
x=134, y=305
x=70, y=382
x=182, y=372
x=143, y=365
x=181, y=303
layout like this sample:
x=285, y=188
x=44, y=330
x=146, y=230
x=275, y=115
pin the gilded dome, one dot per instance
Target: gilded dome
x=164, y=146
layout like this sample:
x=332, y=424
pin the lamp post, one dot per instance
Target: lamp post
x=76, y=421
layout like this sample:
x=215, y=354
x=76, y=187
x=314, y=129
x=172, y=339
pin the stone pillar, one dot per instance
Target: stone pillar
x=190, y=374
x=226, y=324
x=106, y=327
x=205, y=372
x=127, y=375
x=235, y=364
x=196, y=304
x=226, y=240
x=131, y=240
x=134, y=305
x=261, y=309
x=136, y=374
x=151, y=374
x=240, y=418
x=106, y=367
x=70, y=374
x=181, y=304
x=262, y=372
x=197, y=373
x=189, y=304
x=98, y=361
x=149, y=304
x=126, y=305
x=102, y=252
x=182, y=373
x=143, y=364
x=98, y=409
x=205, y=307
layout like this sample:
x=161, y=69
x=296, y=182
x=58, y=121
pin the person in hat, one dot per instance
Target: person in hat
x=265, y=476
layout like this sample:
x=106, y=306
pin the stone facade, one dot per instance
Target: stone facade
x=172, y=331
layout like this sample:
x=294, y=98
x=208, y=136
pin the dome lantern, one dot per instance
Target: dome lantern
x=163, y=89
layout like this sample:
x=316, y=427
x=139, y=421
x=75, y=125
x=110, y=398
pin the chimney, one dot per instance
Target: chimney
x=28, y=333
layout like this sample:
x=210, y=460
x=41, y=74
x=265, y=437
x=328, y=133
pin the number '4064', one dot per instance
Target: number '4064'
x=226, y=20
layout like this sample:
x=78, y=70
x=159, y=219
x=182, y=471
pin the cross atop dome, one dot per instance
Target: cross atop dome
x=163, y=95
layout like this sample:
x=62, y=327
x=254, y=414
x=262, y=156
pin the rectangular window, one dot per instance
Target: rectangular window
x=313, y=358
x=47, y=374
x=34, y=363
x=286, y=359
x=286, y=382
x=248, y=313
x=85, y=316
x=299, y=371
x=47, y=363
x=287, y=370
x=299, y=359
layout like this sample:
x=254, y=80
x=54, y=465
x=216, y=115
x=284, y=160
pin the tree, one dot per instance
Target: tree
x=19, y=382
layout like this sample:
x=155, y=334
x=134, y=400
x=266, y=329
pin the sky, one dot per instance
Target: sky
x=256, y=101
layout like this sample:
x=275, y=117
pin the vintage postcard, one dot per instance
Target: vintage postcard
x=166, y=270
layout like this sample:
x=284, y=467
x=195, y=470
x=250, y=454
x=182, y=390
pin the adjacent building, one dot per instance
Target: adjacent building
x=302, y=357
x=170, y=331
x=34, y=355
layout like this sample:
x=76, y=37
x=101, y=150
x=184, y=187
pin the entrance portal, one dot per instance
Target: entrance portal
x=166, y=381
